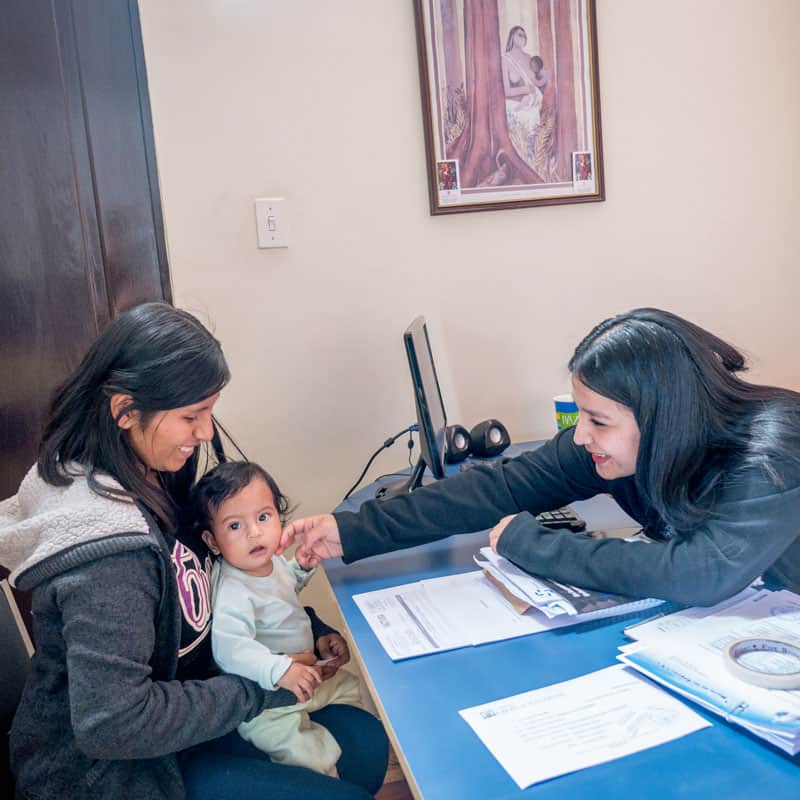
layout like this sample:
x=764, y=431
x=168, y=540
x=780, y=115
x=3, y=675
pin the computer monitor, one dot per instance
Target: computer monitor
x=431, y=416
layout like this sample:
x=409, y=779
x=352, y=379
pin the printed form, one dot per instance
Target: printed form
x=579, y=723
x=442, y=614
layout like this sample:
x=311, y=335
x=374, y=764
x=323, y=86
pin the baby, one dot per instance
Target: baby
x=540, y=74
x=259, y=629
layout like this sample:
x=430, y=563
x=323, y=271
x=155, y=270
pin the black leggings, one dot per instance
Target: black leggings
x=230, y=768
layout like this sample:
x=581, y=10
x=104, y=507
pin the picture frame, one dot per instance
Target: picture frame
x=510, y=103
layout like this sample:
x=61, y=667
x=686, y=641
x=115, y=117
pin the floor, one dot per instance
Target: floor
x=397, y=790
x=394, y=786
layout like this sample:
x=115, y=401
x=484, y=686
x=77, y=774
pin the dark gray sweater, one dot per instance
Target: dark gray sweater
x=102, y=714
x=753, y=528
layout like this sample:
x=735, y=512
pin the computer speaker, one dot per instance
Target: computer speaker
x=488, y=438
x=458, y=444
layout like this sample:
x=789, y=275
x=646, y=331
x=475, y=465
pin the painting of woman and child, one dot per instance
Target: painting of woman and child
x=509, y=97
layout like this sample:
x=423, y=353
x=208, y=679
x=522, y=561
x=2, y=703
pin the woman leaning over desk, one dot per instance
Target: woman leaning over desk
x=123, y=699
x=707, y=463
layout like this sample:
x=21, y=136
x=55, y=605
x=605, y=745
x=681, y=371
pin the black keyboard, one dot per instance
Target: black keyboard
x=562, y=518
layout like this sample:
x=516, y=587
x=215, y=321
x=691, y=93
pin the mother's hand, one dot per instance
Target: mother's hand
x=497, y=531
x=332, y=646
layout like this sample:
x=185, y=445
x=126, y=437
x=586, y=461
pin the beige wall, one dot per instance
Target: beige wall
x=319, y=102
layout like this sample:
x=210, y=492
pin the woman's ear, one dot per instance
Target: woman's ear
x=211, y=542
x=118, y=403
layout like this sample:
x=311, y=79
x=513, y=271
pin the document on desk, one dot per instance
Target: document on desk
x=408, y=622
x=579, y=723
x=454, y=611
x=661, y=624
x=690, y=661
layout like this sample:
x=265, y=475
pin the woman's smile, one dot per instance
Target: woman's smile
x=602, y=421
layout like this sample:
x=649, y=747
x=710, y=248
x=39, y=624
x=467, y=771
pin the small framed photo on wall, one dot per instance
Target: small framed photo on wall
x=510, y=103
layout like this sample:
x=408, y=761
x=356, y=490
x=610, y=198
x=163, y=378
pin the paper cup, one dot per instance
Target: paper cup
x=566, y=411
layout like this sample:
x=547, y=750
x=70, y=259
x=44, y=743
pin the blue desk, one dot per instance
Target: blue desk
x=419, y=699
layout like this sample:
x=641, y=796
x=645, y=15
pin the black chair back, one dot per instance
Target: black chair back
x=16, y=649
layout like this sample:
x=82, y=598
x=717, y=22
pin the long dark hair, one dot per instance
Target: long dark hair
x=698, y=420
x=161, y=357
x=511, y=33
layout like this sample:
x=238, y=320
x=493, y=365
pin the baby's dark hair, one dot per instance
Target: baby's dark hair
x=224, y=481
x=536, y=63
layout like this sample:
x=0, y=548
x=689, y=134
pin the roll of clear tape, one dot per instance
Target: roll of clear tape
x=763, y=661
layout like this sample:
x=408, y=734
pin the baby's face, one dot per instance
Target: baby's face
x=247, y=529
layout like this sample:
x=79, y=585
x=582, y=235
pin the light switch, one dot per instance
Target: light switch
x=272, y=222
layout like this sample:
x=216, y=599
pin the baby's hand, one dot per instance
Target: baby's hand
x=303, y=558
x=301, y=680
x=308, y=658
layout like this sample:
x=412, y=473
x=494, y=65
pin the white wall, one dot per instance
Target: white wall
x=319, y=102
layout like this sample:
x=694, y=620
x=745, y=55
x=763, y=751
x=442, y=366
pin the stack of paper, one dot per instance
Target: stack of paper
x=654, y=627
x=688, y=657
x=468, y=609
x=551, y=597
x=540, y=594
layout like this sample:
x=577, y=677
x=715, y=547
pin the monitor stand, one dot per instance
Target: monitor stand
x=403, y=487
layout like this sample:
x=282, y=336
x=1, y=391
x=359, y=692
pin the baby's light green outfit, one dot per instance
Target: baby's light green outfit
x=256, y=621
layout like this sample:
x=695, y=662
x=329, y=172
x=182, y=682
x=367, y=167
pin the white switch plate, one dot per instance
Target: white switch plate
x=272, y=221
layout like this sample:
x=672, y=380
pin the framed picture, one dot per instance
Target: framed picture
x=510, y=103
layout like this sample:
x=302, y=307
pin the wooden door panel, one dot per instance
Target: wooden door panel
x=47, y=253
x=81, y=234
x=119, y=128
